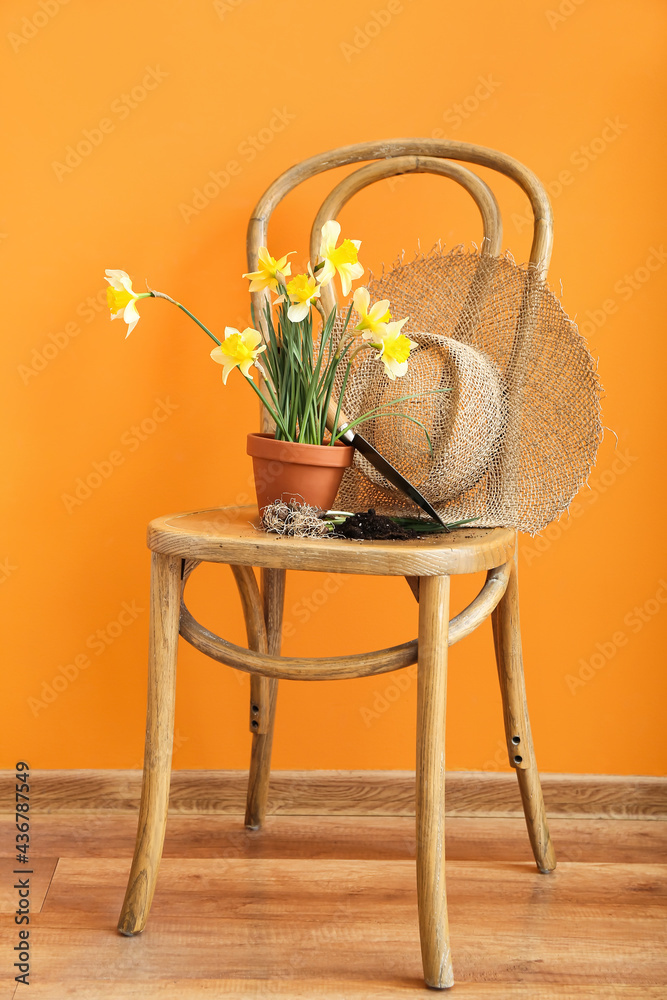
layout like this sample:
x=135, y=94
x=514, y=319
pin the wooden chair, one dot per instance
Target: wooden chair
x=180, y=542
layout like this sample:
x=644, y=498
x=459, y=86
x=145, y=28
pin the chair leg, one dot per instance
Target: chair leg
x=165, y=603
x=430, y=790
x=263, y=697
x=509, y=658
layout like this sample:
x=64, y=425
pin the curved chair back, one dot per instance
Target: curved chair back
x=401, y=156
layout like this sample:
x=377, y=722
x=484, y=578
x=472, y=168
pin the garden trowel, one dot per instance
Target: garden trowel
x=378, y=461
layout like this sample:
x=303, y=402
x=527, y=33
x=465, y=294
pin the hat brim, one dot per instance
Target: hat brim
x=551, y=426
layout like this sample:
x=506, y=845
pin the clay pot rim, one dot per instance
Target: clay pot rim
x=265, y=446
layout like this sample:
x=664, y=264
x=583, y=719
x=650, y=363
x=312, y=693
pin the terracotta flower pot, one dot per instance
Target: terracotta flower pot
x=310, y=473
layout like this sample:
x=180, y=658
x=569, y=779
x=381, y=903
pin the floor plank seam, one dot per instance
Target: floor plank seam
x=48, y=888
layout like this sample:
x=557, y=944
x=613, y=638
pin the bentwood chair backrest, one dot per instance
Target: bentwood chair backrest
x=402, y=156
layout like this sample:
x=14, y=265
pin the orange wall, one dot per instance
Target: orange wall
x=574, y=91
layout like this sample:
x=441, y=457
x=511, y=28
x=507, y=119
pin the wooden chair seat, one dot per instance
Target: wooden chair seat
x=233, y=535
x=179, y=542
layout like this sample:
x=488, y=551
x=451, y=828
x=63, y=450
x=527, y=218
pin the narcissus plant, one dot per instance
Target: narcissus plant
x=122, y=300
x=239, y=349
x=300, y=366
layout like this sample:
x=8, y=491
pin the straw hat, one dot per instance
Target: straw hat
x=517, y=435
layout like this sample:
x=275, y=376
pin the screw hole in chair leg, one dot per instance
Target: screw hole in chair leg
x=255, y=708
x=255, y=725
x=517, y=759
x=516, y=739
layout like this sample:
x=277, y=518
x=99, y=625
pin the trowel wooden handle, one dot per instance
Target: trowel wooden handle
x=342, y=421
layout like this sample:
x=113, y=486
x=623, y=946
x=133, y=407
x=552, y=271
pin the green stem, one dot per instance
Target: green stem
x=263, y=398
x=161, y=295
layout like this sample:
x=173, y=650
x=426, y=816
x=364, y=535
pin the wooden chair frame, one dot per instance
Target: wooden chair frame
x=180, y=542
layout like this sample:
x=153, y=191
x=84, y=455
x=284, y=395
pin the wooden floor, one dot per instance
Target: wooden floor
x=325, y=906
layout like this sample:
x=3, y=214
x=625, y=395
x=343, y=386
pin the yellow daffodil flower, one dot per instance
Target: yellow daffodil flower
x=371, y=319
x=270, y=271
x=302, y=290
x=394, y=349
x=238, y=349
x=122, y=300
x=341, y=260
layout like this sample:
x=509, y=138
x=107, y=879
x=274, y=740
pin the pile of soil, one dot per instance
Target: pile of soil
x=373, y=526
